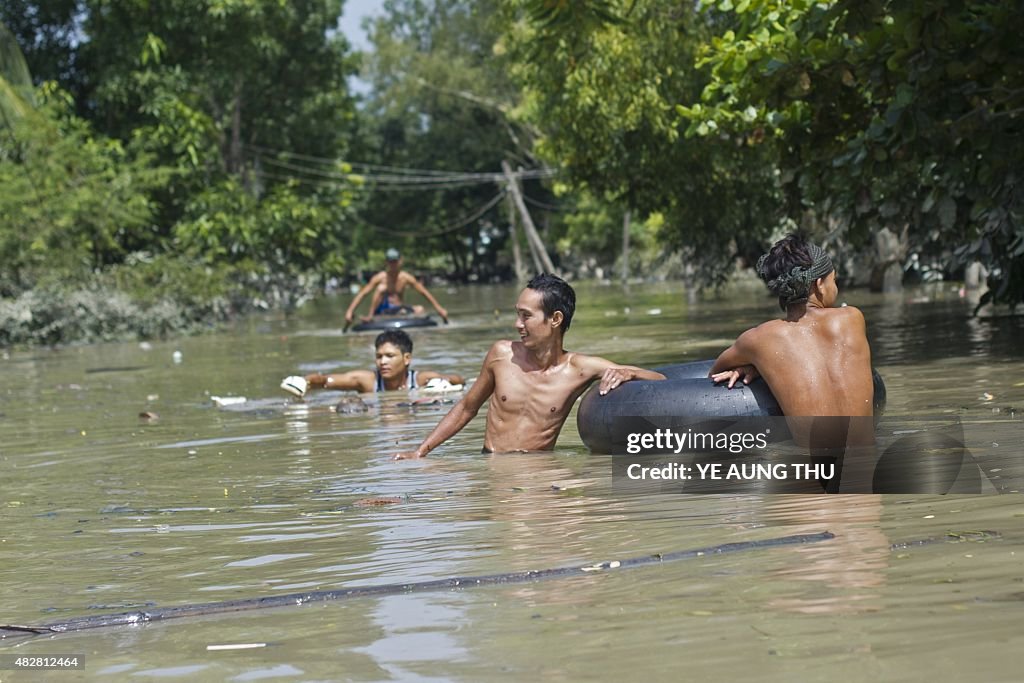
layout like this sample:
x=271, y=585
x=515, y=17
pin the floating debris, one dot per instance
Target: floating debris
x=381, y=500
x=351, y=405
x=235, y=646
x=221, y=401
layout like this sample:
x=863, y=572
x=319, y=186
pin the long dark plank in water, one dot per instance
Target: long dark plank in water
x=455, y=583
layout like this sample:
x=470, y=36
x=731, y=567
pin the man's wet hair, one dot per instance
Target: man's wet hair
x=791, y=266
x=556, y=295
x=396, y=337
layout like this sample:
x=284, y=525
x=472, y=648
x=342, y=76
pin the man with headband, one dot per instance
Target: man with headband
x=816, y=360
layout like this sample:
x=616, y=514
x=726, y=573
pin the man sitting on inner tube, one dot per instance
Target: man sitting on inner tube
x=388, y=287
x=531, y=383
x=816, y=360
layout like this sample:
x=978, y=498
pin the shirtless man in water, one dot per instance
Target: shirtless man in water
x=393, y=373
x=388, y=287
x=532, y=383
x=816, y=360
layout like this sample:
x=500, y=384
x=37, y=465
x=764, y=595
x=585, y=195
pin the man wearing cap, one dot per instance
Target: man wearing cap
x=816, y=360
x=388, y=287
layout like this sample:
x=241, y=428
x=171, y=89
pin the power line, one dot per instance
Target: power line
x=396, y=174
x=544, y=205
x=476, y=178
x=357, y=188
x=461, y=223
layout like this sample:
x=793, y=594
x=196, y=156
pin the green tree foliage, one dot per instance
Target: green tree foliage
x=883, y=114
x=442, y=100
x=282, y=231
x=224, y=73
x=217, y=89
x=46, y=31
x=181, y=108
x=70, y=201
x=603, y=80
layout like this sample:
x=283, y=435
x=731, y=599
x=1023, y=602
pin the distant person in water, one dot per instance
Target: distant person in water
x=388, y=287
x=531, y=383
x=816, y=360
x=393, y=373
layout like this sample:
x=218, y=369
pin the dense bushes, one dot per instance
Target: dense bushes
x=145, y=298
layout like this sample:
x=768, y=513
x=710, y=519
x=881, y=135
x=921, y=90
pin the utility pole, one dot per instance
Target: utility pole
x=625, y=246
x=517, y=255
x=528, y=227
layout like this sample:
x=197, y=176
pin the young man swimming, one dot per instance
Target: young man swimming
x=388, y=287
x=393, y=373
x=531, y=383
x=816, y=360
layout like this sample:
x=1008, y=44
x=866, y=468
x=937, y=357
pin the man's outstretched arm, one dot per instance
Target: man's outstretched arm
x=460, y=414
x=612, y=374
x=356, y=380
x=350, y=313
x=422, y=289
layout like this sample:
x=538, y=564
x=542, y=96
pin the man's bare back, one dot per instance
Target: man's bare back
x=818, y=364
x=816, y=360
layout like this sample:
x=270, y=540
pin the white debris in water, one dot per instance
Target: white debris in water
x=221, y=401
x=236, y=646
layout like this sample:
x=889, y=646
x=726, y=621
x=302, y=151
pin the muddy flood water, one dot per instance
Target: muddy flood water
x=103, y=511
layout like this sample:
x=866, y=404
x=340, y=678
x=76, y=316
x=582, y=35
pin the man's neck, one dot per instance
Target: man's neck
x=795, y=312
x=547, y=356
x=395, y=383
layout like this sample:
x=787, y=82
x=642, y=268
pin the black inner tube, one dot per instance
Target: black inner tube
x=389, y=322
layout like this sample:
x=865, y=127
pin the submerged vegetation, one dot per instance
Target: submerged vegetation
x=167, y=165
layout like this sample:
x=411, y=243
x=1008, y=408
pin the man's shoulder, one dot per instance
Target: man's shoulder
x=503, y=348
x=768, y=328
x=367, y=379
x=583, y=360
x=845, y=315
x=370, y=375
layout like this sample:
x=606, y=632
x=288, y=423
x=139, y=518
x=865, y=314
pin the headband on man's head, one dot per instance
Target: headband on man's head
x=795, y=286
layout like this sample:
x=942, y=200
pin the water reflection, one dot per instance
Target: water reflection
x=851, y=567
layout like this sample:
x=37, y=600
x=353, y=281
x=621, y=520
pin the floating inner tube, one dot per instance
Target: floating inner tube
x=685, y=399
x=387, y=322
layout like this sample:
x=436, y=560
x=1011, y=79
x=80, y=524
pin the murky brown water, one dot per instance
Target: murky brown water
x=101, y=511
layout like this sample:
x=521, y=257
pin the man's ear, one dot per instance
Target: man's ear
x=407, y=357
x=556, y=319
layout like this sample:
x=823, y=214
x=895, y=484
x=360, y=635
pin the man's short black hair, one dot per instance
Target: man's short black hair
x=396, y=337
x=556, y=295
